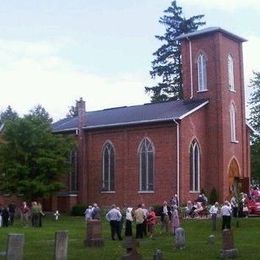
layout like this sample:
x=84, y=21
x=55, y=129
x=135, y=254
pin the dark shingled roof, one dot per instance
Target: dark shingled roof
x=139, y=114
x=207, y=31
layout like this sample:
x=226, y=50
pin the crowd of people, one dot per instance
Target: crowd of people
x=145, y=219
x=29, y=215
x=169, y=215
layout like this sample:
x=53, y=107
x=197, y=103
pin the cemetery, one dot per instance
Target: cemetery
x=70, y=238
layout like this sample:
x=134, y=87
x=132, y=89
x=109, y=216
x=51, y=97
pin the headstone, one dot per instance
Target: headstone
x=211, y=239
x=61, y=245
x=15, y=247
x=179, y=238
x=158, y=255
x=93, y=234
x=131, y=245
x=228, y=250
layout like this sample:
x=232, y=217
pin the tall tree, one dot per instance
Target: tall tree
x=8, y=114
x=166, y=67
x=32, y=158
x=254, y=103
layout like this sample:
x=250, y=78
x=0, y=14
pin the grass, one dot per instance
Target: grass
x=39, y=242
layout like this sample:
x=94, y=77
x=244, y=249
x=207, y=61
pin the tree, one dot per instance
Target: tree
x=32, y=158
x=167, y=63
x=254, y=102
x=8, y=114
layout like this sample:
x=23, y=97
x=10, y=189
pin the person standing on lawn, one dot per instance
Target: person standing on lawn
x=151, y=221
x=175, y=221
x=166, y=216
x=226, y=212
x=214, y=210
x=114, y=217
x=139, y=219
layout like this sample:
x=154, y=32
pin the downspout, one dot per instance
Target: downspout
x=191, y=68
x=178, y=158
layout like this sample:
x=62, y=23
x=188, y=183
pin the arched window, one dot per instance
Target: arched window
x=108, y=173
x=146, y=160
x=202, y=72
x=232, y=114
x=231, y=83
x=194, y=166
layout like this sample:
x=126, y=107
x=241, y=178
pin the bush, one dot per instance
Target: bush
x=213, y=197
x=78, y=210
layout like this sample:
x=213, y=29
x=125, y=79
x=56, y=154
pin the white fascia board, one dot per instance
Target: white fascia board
x=194, y=110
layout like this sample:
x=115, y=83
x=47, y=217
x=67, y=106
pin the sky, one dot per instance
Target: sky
x=53, y=52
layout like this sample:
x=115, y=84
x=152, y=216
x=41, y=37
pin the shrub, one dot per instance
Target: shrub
x=213, y=197
x=78, y=210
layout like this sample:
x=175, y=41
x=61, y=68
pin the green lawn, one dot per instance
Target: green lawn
x=39, y=242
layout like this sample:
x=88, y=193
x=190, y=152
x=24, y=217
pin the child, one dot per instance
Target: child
x=151, y=221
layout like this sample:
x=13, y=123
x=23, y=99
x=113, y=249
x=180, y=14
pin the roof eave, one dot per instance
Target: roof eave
x=130, y=123
x=193, y=110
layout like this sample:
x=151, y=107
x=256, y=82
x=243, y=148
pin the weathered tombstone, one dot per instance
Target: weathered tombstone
x=15, y=247
x=61, y=245
x=179, y=238
x=93, y=234
x=211, y=239
x=228, y=250
x=158, y=255
x=130, y=245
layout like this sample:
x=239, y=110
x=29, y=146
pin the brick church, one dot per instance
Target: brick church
x=149, y=152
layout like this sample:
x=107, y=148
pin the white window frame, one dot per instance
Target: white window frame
x=231, y=79
x=232, y=116
x=148, y=150
x=202, y=73
x=108, y=146
x=195, y=173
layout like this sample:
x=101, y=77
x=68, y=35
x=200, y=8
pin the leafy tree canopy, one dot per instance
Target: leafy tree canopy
x=254, y=120
x=32, y=158
x=166, y=66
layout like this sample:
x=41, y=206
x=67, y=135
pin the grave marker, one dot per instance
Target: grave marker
x=61, y=245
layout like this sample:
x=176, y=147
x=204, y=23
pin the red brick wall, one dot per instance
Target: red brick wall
x=220, y=150
x=126, y=142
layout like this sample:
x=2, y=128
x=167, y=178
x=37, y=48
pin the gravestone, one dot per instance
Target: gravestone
x=228, y=250
x=93, y=234
x=61, y=245
x=130, y=244
x=158, y=255
x=179, y=238
x=15, y=247
x=211, y=239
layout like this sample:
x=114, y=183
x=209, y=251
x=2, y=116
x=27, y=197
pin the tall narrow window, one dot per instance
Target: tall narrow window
x=202, y=73
x=146, y=159
x=231, y=83
x=108, y=176
x=232, y=113
x=73, y=171
x=194, y=166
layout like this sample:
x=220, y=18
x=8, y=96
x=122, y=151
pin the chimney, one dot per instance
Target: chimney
x=81, y=110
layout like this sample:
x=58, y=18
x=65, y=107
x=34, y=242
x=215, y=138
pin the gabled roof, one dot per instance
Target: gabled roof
x=208, y=31
x=132, y=115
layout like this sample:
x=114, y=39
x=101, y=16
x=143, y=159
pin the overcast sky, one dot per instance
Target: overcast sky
x=52, y=52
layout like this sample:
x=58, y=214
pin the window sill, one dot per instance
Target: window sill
x=109, y=191
x=231, y=90
x=194, y=191
x=234, y=142
x=145, y=191
x=201, y=91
